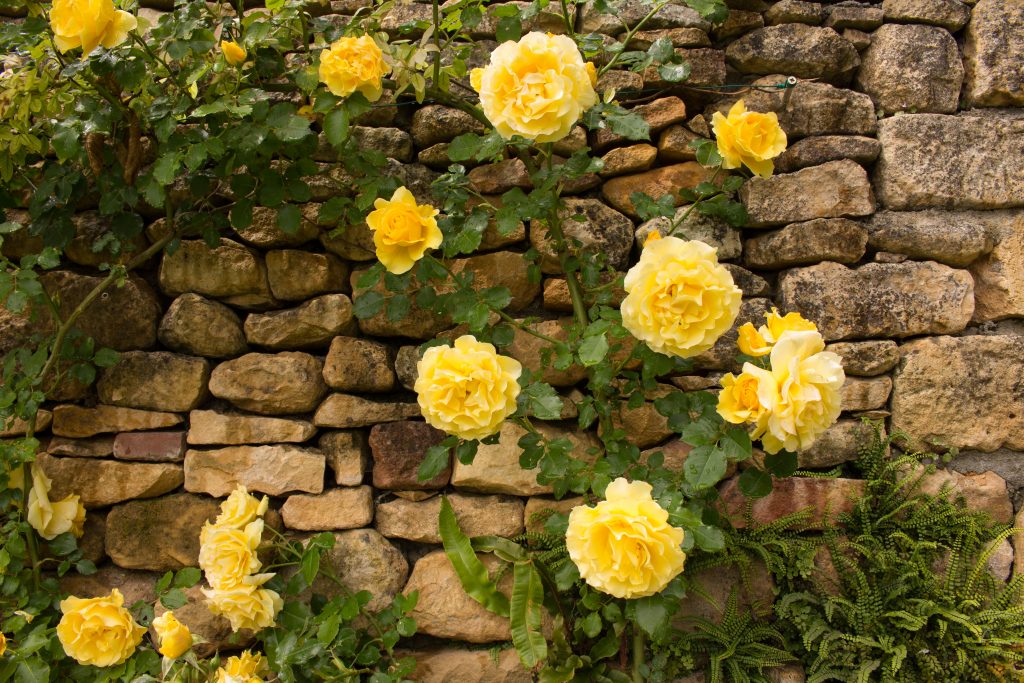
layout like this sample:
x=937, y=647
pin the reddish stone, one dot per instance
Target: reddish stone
x=398, y=450
x=150, y=446
x=826, y=499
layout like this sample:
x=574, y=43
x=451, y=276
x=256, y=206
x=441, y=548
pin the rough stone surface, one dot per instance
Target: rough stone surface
x=852, y=16
x=211, y=427
x=265, y=233
x=832, y=190
x=632, y=159
x=344, y=411
x=340, y=508
x=354, y=364
x=956, y=238
x=477, y=515
x=295, y=275
x=826, y=499
x=985, y=492
x=272, y=384
x=599, y=228
x=840, y=443
x=155, y=380
x=134, y=586
x=160, y=534
x=364, y=561
x=501, y=269
x=78, y=422
x=880, y=299
x=912, y=68
x=311, y=324
x=722, y=356
x=999, y=276
x=655, y=183
x=531, y=352
x=398, y=450
x=444, y=610
x=539, y=509
x=867, y=358
x=708, y=229
x=479, y=666
x=795, y=50
x=632, y=12
x=347, y=455
x=794, y=12
x=268, y=469
x=94, y=447
x=418, y=323
x=231, y=269
x=993, y=53
x=755, y=592
x=860, y=394
x=199, y=326
x=100, y=483
x=962, y=392
x=821, y=149
x=122, y=318
x=823, y=239
x=949, y=14
x=433, y=124
x=149, y=446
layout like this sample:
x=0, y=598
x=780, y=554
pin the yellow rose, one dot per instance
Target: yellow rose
x=749, y=138
x=175, y=638
x=467, y=389
x=800, y=392
x=89, y=23
x=52, y=519
x=227, y=556
x=240, y=508
x=246, y=605
x=679, y=299
x=244, y=669
x=403, y=230
x=3, y=644
x=759, y=342
x=234, y=54
x=624, y=545
x=738, y=401
x=537, y=88
x=354, y=65
x=98, y=631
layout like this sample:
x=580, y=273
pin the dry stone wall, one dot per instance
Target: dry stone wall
x=895, y=221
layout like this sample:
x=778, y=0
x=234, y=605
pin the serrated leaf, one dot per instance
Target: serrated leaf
x=781, y=464
x=464, y=147
x=704, y=467
x=651, y=613
x=471, y=571
x=755, y=483
x=336, y=126
x=593, y=349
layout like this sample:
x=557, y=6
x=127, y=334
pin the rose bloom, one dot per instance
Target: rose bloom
x=240, y=508
x=738, y=401
x=758, y=342
x=749, y=138
x=98, y=631
x=624, y=545
x=403, y=230
x=227, y=556
x=800, y=392
x=354, y=65
x=679, y=299
x=175, y=638
x=3, y=644
x=467, y=389
x=88, y=24
x=246, y=605
x=246, y=668
x=51, y=519
x=537, y=88
x=234, y=54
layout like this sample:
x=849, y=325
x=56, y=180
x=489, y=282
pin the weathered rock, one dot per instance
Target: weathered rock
x=433, y=124
x=352, y=242
x=912, y=68
x=860, y=17
x=231, y=269
x=962, y=392
x=722, y=356
x=539, y=510
x=268, y=469
x=499, y=177
x=502, y=269
x=955, y=238
x=680, y=37
x=150, y=446
x=825, y=498
x=993, y=53
x=737, y=23
x=78, y=422
x=340, y=508
x=444, y=610
x=201, y=327
x=655, y=183
x=133, y=585
x=17, y=426
x=536, y=353
x=632, y=159
x=295, y=275
x=359, y=365
x=822, y=239
x=860, y=394
x=708, y=229
x=880, y=299
x=477, y=515
x=821, y=149
x=160, y=534
x=155, y=380
x=479, y=666
x=795, y=50
x=674, y=144
x=949, y=14
x=984, y=492
x=343, y=411
x=94, y=447
x=100, y=483
x=838, y=444
x=557, y=297
x=123, y=318
x=832, y=190
x=750, y=283
x=215, y=630
x=347, y=454
x=398, y=450
x=311, y=324
x=658, y=114
x=270, y=383
x=794, y=12
x=418, y=323
x=391, y=142
x=90, y=226
x=755, y=592
x=598, y=228
x=999, y=276
x=631, y=12
x=210, y=427
x=406, y=20
x=265, y=233
x=931, y=160
x=707, y=67
x=867, y=358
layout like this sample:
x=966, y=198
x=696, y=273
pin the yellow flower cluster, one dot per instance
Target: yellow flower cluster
x=749, y=138
x=98, y=631
x=536, y=88
x=246, y=668
x=467, y=389
x=88, y=24
x=403, y=230
x=679, y=299
x=354, y=65
x=227, y=556
x=624, y=545
x=758, y=342
x=50, y=519
x=793, y=401
x=174, y=636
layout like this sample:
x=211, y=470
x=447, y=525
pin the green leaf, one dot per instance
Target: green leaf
x=187, y=577
x=464, y=147
x=310, y=565
x=755, y=483
x=674, y=73
x=705, y=466
x=289, y=218
x=63, y=544
x=328, y=630
x=502, y=547
x=367, y=304
x=651, y=613
x=173, y=599
x=336, y=126
x=471, y=571
x=435, y=461
x=736, y=444
x=509, y=28
x=593, y=349
x=105, y=358
x=526, y=613
x=707, y=154
x=781, y=464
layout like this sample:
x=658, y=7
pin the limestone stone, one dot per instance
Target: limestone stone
x=631, y=12
x=999, y=275
x=821, y=149
x=309, y=325
x=211, y=427
x=391, y=142
x=535, y=353
x=993, y=53
x=823, y=239
x=838, y=444
x=985, y=491
x=270, y=383
x=655, y=183
x=499, y=177
x=79, y=422
x=708, y=229
x=295, y=275
x=737, y=23
x=867, y=358
x=539, y=509
x=826, y=499
x=599, y=229
x=911, y=67
x=161, y=534
x=956, y=238
x=722, y=356
x=17, y=426
x=444, y=610
x=273, y=470
x=951, y=15
x=199, y=326
x=880, y=299
x=1008, y=464
x=433, y=124
x=90, y=226
x=133, y=585
x=860, y=17
x=405, y=365
x=755, y=591
x=359, y=365
x=363, y=560
x=501, y=269
x=966, y=162
x=265, y=233
x=557, y=298
x=794, y=12
x=796, y=50
x=230, y=269
x=339, y=508
x=347, y=454
x=352, y=242
x=750, y=283
x=93, y=447
x=122, y=318
x=399, y=448
x=832, y=190
x=962, y=392
x=480, y=666
x=860, y=393
x=658, y=114
x=155, y=380
x=707, y=67
x=680, y=37
x=100, y=483
x=632, y=159
x=644, y=424
x=477, y=515
x=674, y=144
x=150, y=446
x=405, y=20
x=344, y=411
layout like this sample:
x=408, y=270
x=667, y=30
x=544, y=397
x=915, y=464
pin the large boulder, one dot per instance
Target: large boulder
x=100, y=483
x=272, y=384
x=161, y=534
x=201, y=327
x=273, y=469
x=994, y=53
x=123, y=318
x=795, y=50
x=155, y=380
x=832, y=190
x=444, y=610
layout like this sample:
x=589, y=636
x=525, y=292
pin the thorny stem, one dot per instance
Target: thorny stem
x=629, y=36
x=686, y=214
x=572, y=276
